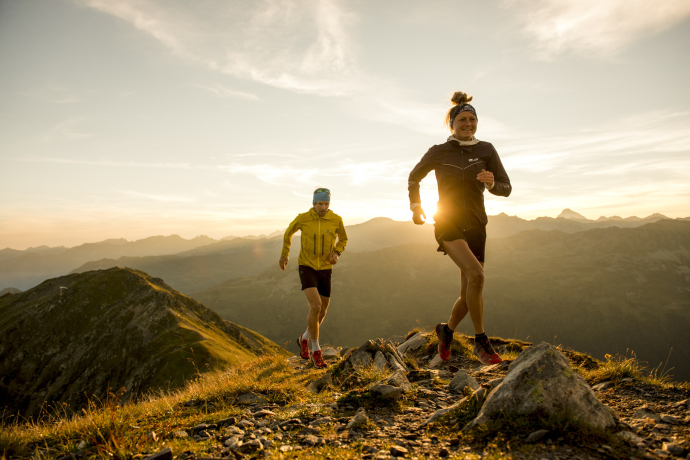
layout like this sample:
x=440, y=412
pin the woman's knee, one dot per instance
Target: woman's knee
x=476, y=279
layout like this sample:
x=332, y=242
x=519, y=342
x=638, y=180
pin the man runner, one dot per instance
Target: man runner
x=318, y=253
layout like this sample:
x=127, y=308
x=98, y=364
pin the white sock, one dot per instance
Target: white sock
x=315, y=345
x=305, y=336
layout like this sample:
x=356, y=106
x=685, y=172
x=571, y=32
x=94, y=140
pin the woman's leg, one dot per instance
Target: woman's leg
x=472, y=284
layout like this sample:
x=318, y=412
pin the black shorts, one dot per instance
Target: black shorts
x=320, y=279
x=475, y=237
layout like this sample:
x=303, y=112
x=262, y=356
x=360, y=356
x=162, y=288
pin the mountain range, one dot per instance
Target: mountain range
x=601, y=291
x=74, y=338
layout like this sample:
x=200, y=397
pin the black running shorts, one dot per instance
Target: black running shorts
x=475, y=237
x=320, y=279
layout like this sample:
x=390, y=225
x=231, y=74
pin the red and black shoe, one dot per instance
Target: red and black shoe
x=303, y=347
x=318, y=361
x=485, y=352
x=444, y=341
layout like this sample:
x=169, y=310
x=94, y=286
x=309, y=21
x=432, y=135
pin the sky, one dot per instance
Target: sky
x=124, y=118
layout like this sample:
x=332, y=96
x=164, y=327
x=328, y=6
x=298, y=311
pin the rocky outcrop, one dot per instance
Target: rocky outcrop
x=79, y=336
x=541, y=382
x=378, y=353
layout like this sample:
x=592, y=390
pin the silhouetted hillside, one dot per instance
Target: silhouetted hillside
x=598, y=291
x=80, y=335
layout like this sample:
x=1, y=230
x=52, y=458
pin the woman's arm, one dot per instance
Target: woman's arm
x=502, y=185
x=418, y=173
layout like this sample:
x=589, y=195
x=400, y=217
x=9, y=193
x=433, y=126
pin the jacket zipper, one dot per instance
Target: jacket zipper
x=323, y=237
x=318, y=259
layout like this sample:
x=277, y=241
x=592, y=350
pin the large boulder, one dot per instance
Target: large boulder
x=541, y=382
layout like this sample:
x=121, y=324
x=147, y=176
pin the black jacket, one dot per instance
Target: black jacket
x=461, y=195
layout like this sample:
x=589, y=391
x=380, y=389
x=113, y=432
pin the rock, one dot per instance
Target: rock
x=289, y=423
x=395, y=363
x=307, y=430
x=165, y=454
x=461, y=380
x=251, y=398
x=251, y=446
x=442, y=412
x=180, y=434
x=310, y=440
x=670, y=419
x=537, y=435
x=413, y=343
x=233, y=430
x=380, y=361
x=358, y=419
x=344, y=352
x=673, y=448
x=226, y=421
x=436, y=361
x=264, y=413
x=684, y=404
x=245, y=424
x=82, y=445
x=360, y=359
x=646, y=412
x=540, y=380
x=398, y=451
x=234, y=442
x=630, y=437
x=322, y=382
x=203, y=427
x=285, y=448
x=443, y=452
x=398, y=379
x=602, y=386
x=321, y=421
x=387, y=391
x=329, y=352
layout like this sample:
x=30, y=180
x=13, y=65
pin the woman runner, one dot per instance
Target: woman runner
x=464, y=167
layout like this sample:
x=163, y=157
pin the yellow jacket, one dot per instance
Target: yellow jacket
x=318, y=238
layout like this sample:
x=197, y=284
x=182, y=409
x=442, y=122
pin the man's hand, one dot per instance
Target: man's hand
x=282, y=263
x=486, y=177
x=417, y=214
x=333, y=259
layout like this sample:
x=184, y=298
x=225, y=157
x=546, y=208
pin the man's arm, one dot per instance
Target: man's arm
x=287, y=240
x=342, y=237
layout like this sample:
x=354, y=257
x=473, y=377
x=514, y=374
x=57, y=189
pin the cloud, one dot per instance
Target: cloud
x=594, y=27
x=158, y=198
x=221, y=91
x=65, y=131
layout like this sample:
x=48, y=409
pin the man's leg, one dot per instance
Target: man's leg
x=325, y=301
x=313, y=319
x=472, y=277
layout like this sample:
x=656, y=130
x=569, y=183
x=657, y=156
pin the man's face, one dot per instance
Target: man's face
x=321, y=208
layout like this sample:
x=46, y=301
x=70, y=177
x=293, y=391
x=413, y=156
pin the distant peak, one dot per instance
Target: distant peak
x=572, y=215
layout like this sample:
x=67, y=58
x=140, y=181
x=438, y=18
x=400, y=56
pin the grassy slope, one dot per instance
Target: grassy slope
x=112, y=328
x=119, y=430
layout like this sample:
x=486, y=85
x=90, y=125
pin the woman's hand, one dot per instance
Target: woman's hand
x=334, y=258
x=282, y=263
x=486, y=177
x=417, y=214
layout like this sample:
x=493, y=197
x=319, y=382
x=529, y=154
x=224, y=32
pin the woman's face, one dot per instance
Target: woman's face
x=464, y=126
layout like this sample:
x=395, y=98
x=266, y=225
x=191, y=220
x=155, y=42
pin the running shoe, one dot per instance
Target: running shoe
x=318, y=361
x=303, y=347
x=444, y=341
x=485, y=352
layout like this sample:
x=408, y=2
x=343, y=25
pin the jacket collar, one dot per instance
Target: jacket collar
x=474, y=141
x=315, y=216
